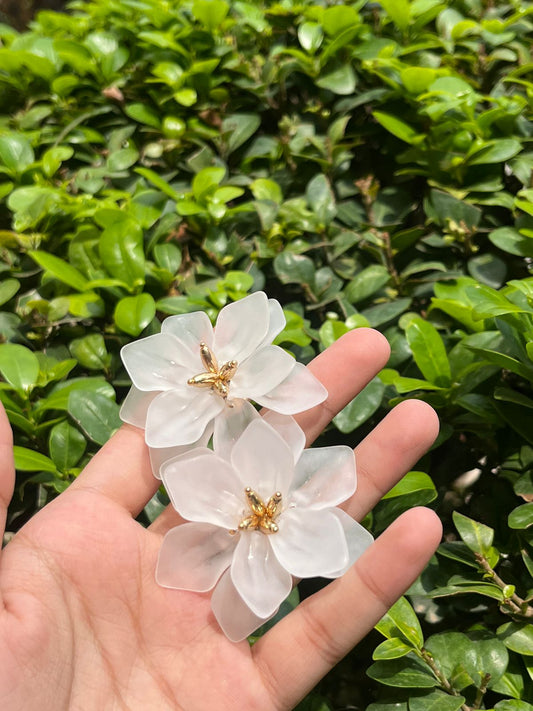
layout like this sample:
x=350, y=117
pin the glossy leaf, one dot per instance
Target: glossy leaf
x=134, y=313
x=66, y=445
x=97, y=415
x=18, y=366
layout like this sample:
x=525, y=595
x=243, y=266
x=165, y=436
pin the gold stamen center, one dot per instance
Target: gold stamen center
x=262, y=516
x=215, y=378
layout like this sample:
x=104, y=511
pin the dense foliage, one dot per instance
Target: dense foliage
x=367, y=164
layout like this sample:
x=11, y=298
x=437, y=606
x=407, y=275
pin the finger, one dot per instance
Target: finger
x=121, y=471
x=344, y=369
x=297, y=652
x=390, y=450
x=7, y=468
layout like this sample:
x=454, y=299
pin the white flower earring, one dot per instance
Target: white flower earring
x=266, y=512
x=188, y=378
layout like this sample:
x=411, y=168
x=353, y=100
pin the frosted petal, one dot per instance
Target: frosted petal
x=194, y=556
x=180, y=417
x=261, y=372
x=235, y=618
x=263, y=460
x=309, y=543
x=324, y=477
x=298, y=392
x=160, y=455
x=241, y=327
x=289, y=429
x=277, y=322
x=134, y=409
x=204, y=488
x=191, y=329
x=157, y=362
x=257, y=575
x=357, y=538
x=230, y=425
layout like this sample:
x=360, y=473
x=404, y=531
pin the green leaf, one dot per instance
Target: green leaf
x=8, y=289
x=397, y=127
x=143, y=114
x=337, y=19
x=429, y=351
x=477, y=536
x=134, y=313
x=310, y=36
x=521, y=517
x=495, y=151
x=66, y=445
x=121, y=251
x=513, y=705
x=59, y=396
x=401, y=621
x=404, y=673
x=399, y=12
x=27, y=460
x=91, y=351
x=366, y=283
x=321, y=199
x=361, y=407
x=392, y=648
x=206, y=182
x=411, y=483
x=168, y=256
x=59, y=269
x=340, y=81
x=517, y=636
x=436, y=701
x=53, y=157
x=16, y=152
x=96, y=414
x=18, y=366
x=211, y=13
x=294, y=268
x=512, y=241
x=236, y=129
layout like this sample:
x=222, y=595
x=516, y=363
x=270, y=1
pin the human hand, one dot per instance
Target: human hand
x=84, y=626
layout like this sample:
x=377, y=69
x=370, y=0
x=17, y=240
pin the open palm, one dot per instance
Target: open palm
x=83, y=624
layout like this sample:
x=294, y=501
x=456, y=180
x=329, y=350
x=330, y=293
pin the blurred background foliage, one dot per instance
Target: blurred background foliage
x=368, y=164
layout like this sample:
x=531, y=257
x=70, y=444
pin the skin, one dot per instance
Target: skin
x=83, y=625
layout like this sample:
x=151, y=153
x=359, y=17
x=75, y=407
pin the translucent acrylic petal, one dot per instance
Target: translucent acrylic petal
x=157, y=362
x=204, y=488
x=298, y=392
x=263, y=460
x=357, y=538
x=235, y=618
x=310, y=543
x=289, y=429
x=324, y=477
x=134, y=409
x=230, y=425
x=191, y=330
x=241, y=327
x=160, y=455
x=276, y=324
x=180, y=417
x=263, y=371
x=194, y=556
x=257, y=575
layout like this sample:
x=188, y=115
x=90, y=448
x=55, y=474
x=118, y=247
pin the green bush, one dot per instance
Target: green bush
x=367, y=164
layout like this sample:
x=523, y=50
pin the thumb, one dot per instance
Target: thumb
x=7, y=468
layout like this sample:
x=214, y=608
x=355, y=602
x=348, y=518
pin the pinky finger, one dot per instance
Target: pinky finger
x=297, y=652
x=7, y=468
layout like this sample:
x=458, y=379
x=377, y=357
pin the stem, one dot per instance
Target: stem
x=516, y=603
x=481, y=691
x=442, y=679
